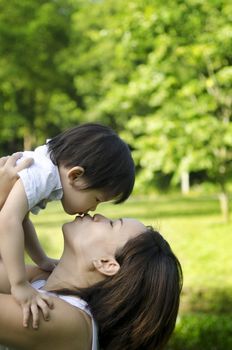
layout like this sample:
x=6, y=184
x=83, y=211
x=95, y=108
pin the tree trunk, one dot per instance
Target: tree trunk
x=185, y=185
x=28, y=142
x=224, y=204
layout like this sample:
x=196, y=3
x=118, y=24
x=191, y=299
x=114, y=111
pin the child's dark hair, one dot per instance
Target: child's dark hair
x=105, y=157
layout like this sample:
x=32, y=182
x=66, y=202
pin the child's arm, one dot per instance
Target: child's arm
x=12, y=251
x=34, y=249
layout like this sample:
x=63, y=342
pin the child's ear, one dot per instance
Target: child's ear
x=106, y=266
x=75, y=174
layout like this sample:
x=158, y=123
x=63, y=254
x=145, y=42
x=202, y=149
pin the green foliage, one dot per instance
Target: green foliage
x=186, y=94
x=160, y=73
x=32, y=33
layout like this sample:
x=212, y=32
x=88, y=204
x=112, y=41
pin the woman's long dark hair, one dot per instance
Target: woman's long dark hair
x=136, y=309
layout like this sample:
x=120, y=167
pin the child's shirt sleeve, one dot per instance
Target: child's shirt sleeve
x=41, y=180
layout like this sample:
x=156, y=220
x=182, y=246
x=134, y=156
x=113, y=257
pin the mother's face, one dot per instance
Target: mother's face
x=97, y=237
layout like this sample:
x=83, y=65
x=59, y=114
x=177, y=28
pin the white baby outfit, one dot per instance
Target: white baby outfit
x=41, y=180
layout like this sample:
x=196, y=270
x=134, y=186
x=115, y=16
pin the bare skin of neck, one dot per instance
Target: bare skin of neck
x=70, y=274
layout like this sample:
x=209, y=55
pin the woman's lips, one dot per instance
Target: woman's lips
x=83, y=217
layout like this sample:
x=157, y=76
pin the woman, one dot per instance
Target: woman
x=127, y=274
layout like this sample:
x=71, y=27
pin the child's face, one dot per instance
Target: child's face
x=80, y=201
x=76, y=199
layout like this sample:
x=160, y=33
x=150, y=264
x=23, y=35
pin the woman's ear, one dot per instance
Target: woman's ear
x=75, y=174
x=106, y=266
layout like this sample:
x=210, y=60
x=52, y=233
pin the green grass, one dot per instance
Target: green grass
x=202, y=332
x=202, y=241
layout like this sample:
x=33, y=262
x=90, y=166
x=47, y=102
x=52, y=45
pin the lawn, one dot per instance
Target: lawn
x=202, y=241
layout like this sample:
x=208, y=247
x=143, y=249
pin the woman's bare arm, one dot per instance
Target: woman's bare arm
x=68, y=328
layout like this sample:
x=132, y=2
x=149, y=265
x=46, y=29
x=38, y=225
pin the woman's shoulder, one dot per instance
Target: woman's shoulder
x=72, y=324
x=68, y=319
x=68, y=327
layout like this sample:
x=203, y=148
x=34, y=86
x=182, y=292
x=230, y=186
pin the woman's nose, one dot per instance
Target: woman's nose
x=98, y=217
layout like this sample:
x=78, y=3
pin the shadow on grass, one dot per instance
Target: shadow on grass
x=216, y=301
x=202, y=332
x=205, y=321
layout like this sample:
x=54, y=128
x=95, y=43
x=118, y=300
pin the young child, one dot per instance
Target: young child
x=82, y=167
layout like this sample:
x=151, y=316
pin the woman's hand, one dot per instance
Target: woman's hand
x=9, y=173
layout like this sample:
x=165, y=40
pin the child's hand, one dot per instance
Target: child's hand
x=48, y=264
x=31, y=301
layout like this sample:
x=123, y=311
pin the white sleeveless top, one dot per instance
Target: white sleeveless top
x=74, y=301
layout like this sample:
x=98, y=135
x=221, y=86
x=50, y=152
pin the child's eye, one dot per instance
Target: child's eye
x=111, y=223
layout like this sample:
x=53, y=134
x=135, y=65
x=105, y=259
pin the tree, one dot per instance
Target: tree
x=164, y=79
x=33, y=34
x=189, y=128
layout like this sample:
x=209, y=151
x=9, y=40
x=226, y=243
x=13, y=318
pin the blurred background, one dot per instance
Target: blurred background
x=159, y=73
